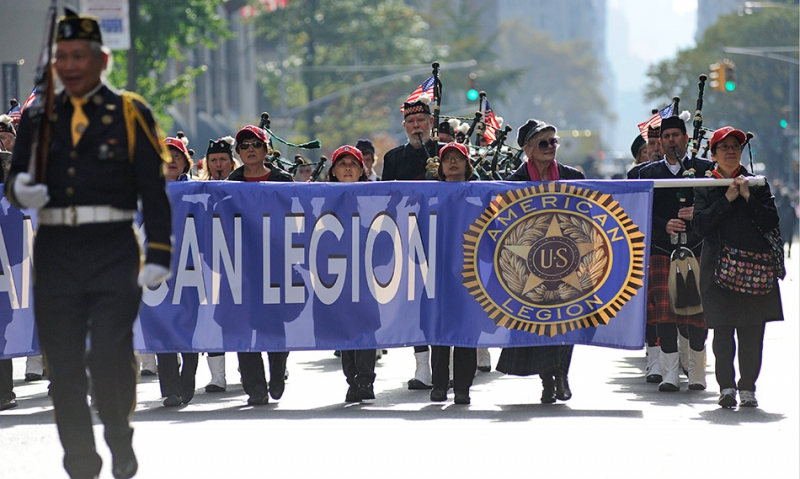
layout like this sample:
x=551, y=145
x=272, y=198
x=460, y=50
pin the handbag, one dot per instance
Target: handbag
x=745, y=271
x=775, y=241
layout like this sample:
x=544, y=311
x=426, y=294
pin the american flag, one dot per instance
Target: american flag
x=425, y=87
x=16, y=112
x=655, y=120
x=492, y=124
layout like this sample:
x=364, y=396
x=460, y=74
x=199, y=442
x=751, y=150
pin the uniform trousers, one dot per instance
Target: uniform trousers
x=750, y=349
x=85, y=287
x=359, y=366
x=6, y=380
x=174, y=379
x=251, y=367
x=465, y=363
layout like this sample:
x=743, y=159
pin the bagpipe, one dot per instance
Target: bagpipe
x=275, y=157
x=493, y=161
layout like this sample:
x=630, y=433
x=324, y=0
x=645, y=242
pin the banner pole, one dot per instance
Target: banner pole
x=695, y=182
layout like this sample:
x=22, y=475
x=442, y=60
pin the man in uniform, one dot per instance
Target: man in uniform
x=672, y=216
x=409, y=162
x=104, y=156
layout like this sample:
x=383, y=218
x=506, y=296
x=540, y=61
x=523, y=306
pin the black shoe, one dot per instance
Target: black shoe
x=213, y=388
x=365, y=391
x=32, y=377
x=337, y=353
x=563, y=392
x=147, y=372
x=668, y=388
x=352, y=395
x=173, y=400
x=415, y=384
x=484, y=369
x=654, y=378
x=548, y=390
x=126, y=469
x=276, y=388
x=258, y=399
x=461, y=397
x=439, y=394
x=8, y=404
x=187, y=397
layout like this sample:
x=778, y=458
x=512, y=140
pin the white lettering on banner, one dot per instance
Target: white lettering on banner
x=337, y=264
x=7, y=276
x=189, y=276
x=427, y=266
x=386, y=291
x=27, y=260
x=221, y=251
x=355, y=253
x=271, y=292
x=294, y=253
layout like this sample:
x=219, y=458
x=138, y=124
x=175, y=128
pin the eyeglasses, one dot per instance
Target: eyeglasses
x=543, y=144
x=455, y=158
x=246, y=145
x=726, y=148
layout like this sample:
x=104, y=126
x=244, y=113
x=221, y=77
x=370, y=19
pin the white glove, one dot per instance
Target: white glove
x=153, y=274
x=29, y=195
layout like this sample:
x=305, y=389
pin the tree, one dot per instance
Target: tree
x=161, y=31
x=763, y=84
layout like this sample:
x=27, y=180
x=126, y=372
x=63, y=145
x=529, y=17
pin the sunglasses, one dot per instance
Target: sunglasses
x=245, y=145
x=543, y=144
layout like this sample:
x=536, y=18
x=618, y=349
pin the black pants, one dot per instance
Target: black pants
x=751, y=347
x=251, y=366
x=465, y=362
x=173, y=381
x=359, y=366
x=85, y=286
x=6, y=380
x=668, y=337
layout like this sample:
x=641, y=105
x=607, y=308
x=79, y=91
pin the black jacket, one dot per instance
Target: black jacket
x=666, y=203
x=735, y=223
x=564, y=173
x=407, y=163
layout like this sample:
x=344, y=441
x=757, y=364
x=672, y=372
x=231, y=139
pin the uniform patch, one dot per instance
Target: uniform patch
x=553, y=258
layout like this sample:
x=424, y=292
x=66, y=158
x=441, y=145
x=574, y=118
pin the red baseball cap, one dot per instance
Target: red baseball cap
x=254, y=130
x=723, y=133
x=454, y=146
x=176, y=143
x=347, y=150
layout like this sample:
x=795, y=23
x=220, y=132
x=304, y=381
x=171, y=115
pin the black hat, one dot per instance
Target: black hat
x=530, y=128
x=444, y=127
x=220, y=145
x=78, y=27
x=637, y=145
x=365, y=145
x=673, y=122
x=418, y=106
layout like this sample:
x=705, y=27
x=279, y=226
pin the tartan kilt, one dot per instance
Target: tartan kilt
x=530, y=360
x=658, y=308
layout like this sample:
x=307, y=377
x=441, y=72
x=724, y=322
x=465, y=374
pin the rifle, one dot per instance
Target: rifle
x=41, y=109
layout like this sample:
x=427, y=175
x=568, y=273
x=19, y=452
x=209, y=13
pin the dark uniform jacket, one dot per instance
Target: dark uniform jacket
x=735, y=223
x=407, y=163
x=564, y=173
x=666, y=204
x=276, y=174
x=98, y=170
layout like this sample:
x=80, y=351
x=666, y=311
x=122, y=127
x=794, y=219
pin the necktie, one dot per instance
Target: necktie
x=79, y=119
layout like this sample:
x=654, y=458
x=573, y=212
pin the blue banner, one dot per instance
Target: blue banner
x=271, y=267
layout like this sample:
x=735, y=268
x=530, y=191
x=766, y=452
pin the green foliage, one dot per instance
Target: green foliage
x=161, y=31
x=762, y=84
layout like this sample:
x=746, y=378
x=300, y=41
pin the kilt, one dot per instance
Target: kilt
x=658, y=308
x=530, y=360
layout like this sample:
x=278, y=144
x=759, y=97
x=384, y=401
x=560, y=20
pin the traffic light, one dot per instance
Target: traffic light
x=729, y=75
x=784, y=123
x=717, y=76
x=472, y=86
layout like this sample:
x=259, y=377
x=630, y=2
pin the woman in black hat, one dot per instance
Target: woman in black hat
x=539, y=141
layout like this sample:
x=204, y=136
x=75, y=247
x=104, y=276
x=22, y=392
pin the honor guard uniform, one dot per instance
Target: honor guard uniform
x=104, y=156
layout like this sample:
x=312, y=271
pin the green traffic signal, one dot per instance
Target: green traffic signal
x=784, y=124
x=472, y=94
x=730, y=86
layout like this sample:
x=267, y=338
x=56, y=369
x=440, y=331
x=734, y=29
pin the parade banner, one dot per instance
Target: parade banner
x=323, y=266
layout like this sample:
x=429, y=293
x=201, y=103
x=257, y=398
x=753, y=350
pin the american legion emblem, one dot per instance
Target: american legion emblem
x=553, y=258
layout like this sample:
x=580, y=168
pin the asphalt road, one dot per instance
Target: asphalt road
x=615, y=426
